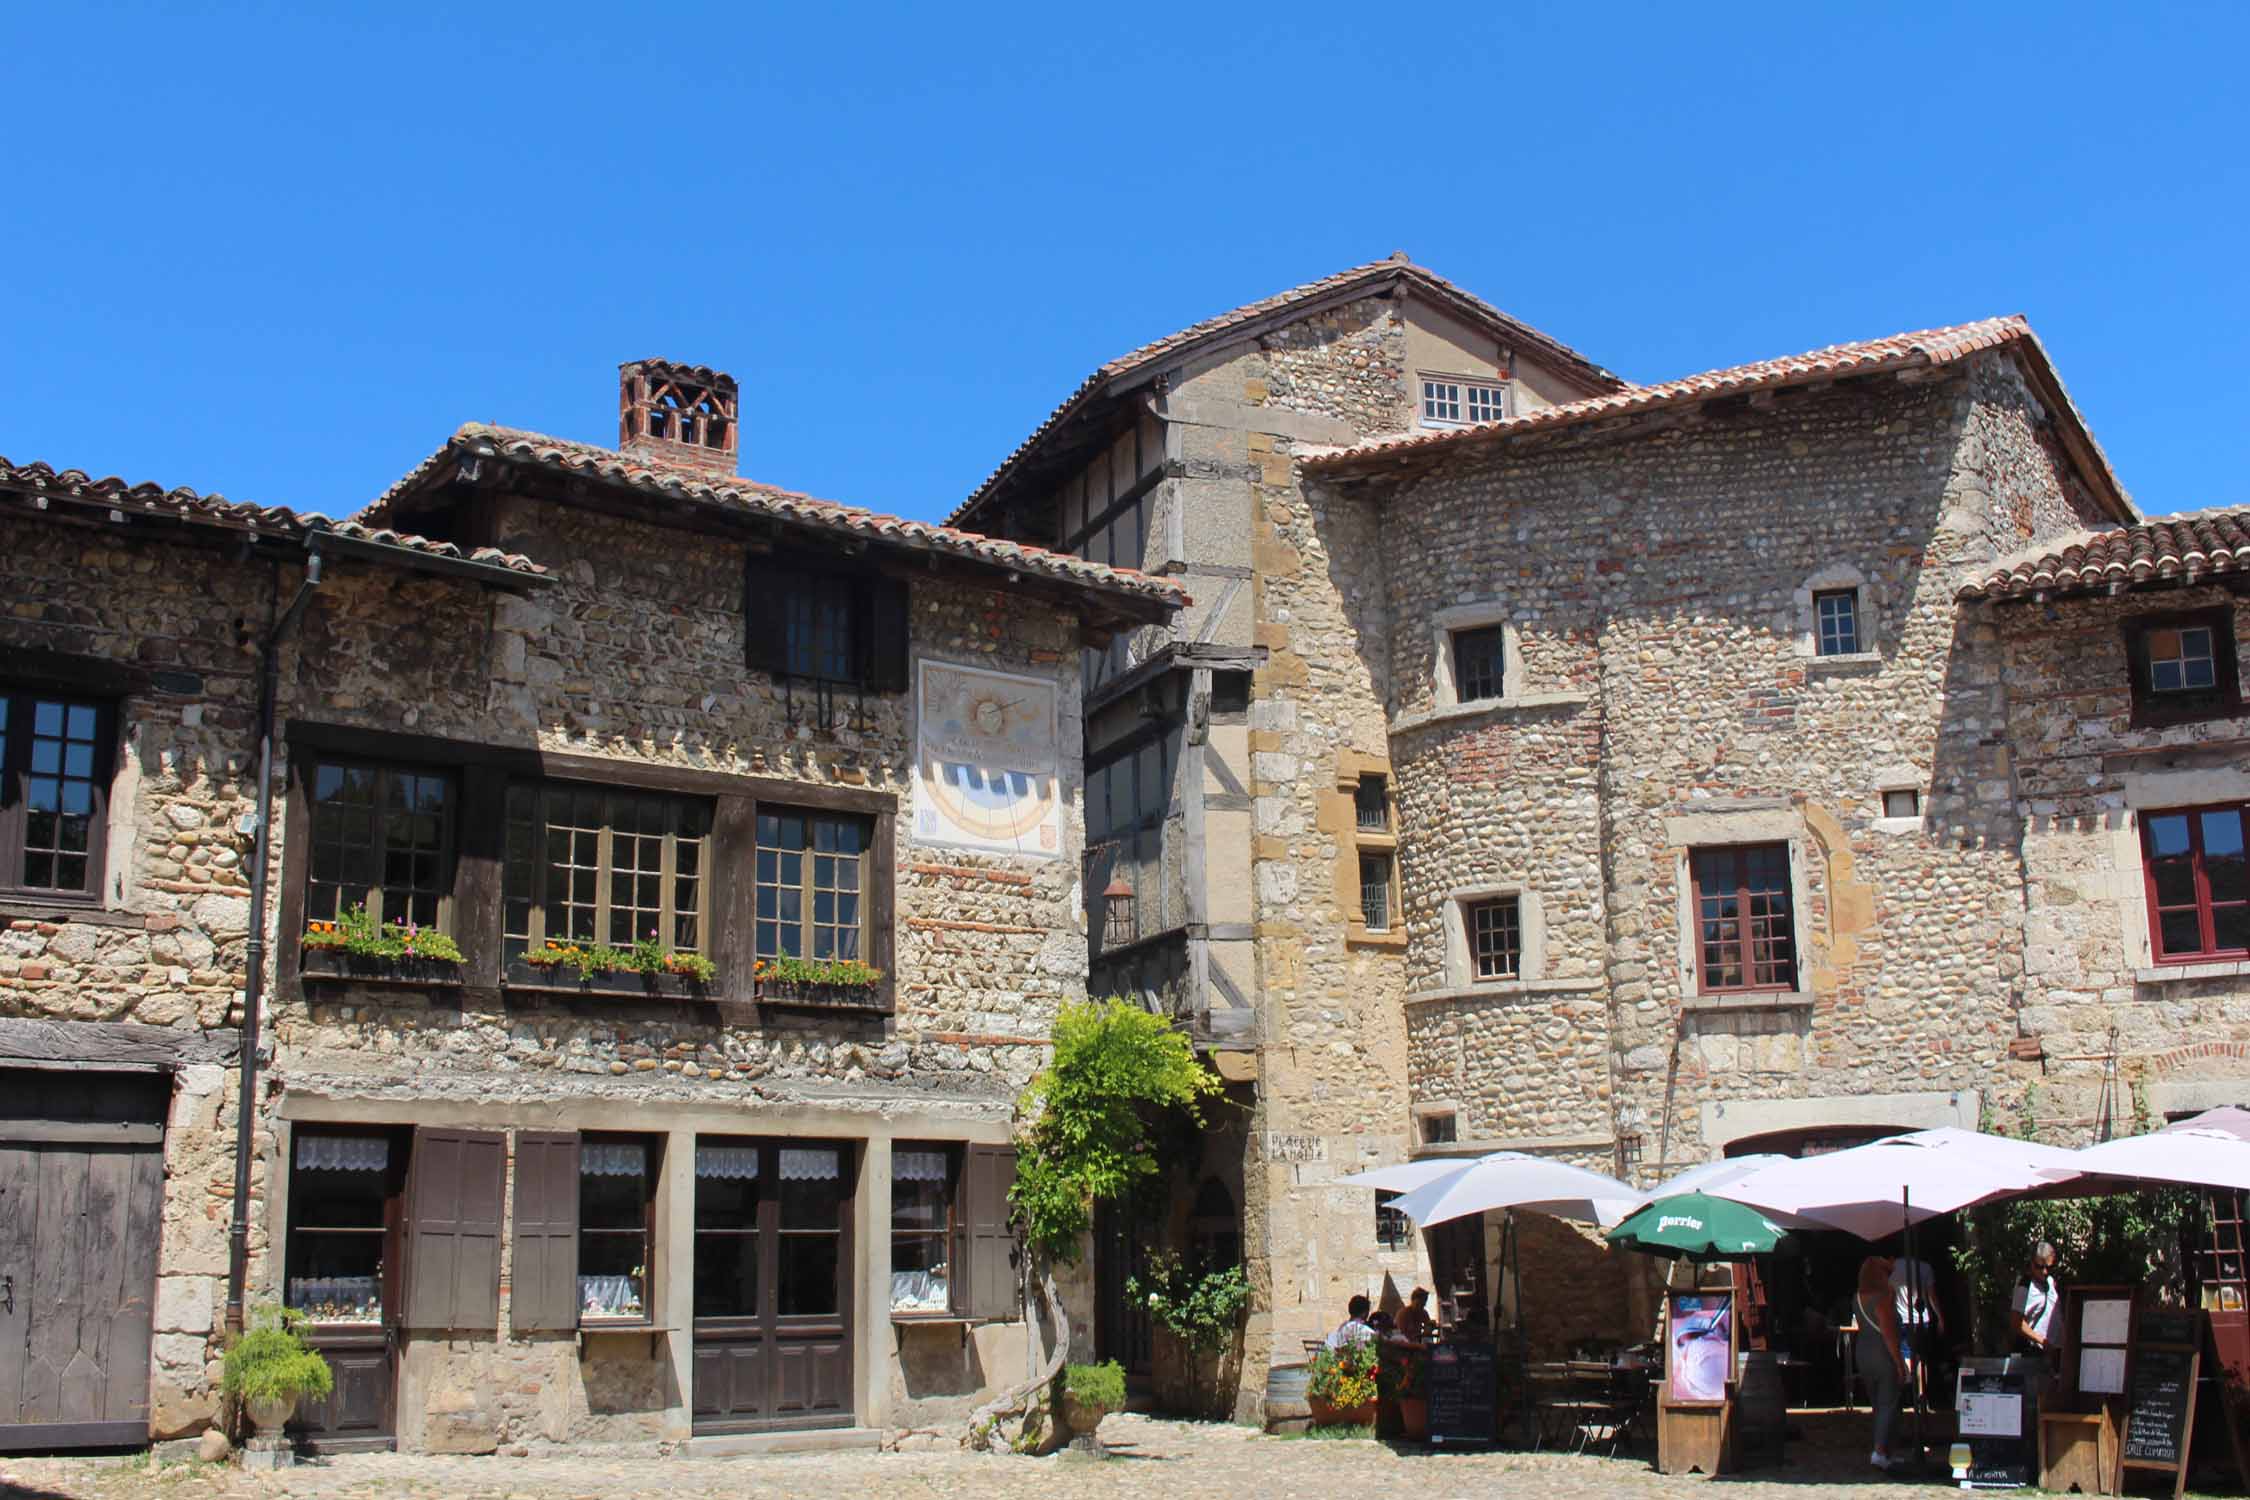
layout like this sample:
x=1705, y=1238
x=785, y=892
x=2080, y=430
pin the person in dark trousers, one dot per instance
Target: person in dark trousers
x=1875, y=1350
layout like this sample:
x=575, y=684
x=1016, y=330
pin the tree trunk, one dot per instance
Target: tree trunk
x=984, y=1422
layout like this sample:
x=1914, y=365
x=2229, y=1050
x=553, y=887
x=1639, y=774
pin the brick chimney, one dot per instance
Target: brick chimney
x=681, y=415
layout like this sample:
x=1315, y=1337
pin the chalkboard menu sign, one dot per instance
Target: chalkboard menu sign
x=1464, y=1393
x=2160, y=1401
x=1999, y=1420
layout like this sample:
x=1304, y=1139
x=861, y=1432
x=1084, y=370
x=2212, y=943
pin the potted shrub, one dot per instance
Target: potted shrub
x=1341, y=1389
x=354, y=945
x=1399, y=1381
x=1090, y=1393
x=1200, y=1308
x=268, y=1369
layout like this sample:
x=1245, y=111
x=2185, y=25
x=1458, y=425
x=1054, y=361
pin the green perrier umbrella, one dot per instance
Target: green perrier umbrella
x=1699, y=1227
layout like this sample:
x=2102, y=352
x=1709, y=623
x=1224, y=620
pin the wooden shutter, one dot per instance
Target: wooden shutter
x=886, y=617
x=994, y=1287
x=543, y=1288
x=453, y=1204
x=765, y=603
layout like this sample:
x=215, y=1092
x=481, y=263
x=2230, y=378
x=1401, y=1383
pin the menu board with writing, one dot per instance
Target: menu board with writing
x=2158, y=1407
x=2107, y=1322
x=2101, y=1372
x=1463, y=1381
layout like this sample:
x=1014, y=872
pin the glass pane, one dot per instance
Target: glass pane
x=612, y=1200
x=47, y=719
x=919, y=1274
x=814, y=1202
x=918, y=1205
x=2231, y=926
x=2222, y=856
x=2167, y=833
x=82, y=717
x=808, y=1274
x=726, y=1275
x=2180, y=932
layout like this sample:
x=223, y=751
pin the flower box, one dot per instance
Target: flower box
x=802, y=995
x=562, y=979
x=337, y=965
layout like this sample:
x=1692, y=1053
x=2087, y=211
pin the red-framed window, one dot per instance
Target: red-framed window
x=2198, y=881
x=1746, y=936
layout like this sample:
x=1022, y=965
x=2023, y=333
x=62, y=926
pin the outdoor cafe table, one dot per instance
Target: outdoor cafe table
x=1574, y=1397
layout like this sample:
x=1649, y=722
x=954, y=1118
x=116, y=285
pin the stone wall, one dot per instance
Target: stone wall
x=1656, y=584
x=2083, y=773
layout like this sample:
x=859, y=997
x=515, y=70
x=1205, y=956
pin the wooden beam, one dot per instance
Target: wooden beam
x=122, y=1042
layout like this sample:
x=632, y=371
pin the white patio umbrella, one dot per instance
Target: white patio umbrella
x=2192, y=1157
x=1512, y=1179
x=1407, y=1176
x=1875, y=1189
x=1712, y=1178
x=2232, y=1119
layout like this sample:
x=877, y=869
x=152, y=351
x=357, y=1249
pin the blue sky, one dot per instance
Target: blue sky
x=281, y=252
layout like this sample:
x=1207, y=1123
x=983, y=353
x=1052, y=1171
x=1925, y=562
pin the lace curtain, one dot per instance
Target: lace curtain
x=343, y=1153
x=918, y=1166
x=614, y=1159
x=726, y=1161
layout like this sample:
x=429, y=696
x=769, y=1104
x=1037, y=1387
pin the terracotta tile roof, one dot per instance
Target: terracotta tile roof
x=43, y=481
x=2184, y=548
x=633, y=472
x=1312, y=291
x=1901, y=351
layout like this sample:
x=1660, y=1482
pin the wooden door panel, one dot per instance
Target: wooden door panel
x=19, y=1202
x=358, y=1410
x=812, y=1378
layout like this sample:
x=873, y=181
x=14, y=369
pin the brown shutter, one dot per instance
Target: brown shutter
x=886, y=615
x=765, y=603
x=453, y=1205
x=995, y=1289
x=543, y=1287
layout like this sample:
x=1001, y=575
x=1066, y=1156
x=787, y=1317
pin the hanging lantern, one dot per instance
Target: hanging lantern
x=1119, y=925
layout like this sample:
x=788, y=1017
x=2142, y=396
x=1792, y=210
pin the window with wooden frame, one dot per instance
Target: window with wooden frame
x=1746, y=936
x=812, y=881
x=1494, y=929
x=807, y=621
x=616, y=1227
x=340, y=1262
x=2198, y=884
x=57, y=754
x=1453, y=403
x=2183, y=666
x=1376, y=884
x=1128, y=796
x=1836, y=622
x=588, y=864
x=924, y=1178
x=1479, y=663
x=381, y=836
x=1371, y=803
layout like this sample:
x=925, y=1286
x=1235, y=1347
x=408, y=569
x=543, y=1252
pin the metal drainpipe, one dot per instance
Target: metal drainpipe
x=254, y=953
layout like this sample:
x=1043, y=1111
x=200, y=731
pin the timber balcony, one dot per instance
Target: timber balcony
x=1142, y=953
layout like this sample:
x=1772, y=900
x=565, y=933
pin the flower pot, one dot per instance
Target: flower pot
x=1326, y=1414
x=864, y=997
x=1082, y=1416
x=270, y=1414
x=1413, y=1418
x=336, y=964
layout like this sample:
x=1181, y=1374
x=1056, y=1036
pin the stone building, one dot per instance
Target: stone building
x=1241, y=823
x=756, y=822
x=2121, y=695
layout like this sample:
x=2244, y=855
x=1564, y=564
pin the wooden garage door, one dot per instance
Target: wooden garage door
x=81, y=1206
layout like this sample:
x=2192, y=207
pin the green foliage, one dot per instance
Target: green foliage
x=646, y=956
x=356, y=933
x=1115, y=1066
x=1101, y=1385
x=1339, y=1432
x=1344, y=1377
x=1399, y=1371
x=270, y=1363
x=849, y=973
x=1201, y=1308
x=2126, y=1239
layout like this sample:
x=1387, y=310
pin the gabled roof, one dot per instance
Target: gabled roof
x=1358, y=281
x=39, y=482
x=2180, y=549
x=634, y=472
x=1928, y=349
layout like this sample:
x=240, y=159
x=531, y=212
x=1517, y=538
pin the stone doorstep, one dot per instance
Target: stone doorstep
x=814, y=1440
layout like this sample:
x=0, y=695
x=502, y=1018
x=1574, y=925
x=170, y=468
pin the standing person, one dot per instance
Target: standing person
x=1875, y=1350
x=1414, y=1320
x=1354, y=1328
x=2031, y=1311
x=1921, y=1325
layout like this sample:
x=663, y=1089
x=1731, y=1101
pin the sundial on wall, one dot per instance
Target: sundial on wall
x=987, y=766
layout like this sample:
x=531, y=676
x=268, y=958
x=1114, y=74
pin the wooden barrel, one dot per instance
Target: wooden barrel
x=1285, y=1394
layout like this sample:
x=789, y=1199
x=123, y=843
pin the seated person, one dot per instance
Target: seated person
x=1414, y=1319
x=1353, y=1329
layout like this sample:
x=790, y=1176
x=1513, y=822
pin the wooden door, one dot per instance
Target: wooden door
x=1124, y=1234
x=81, y=1209
x=356, y=1415
x=773, y=1284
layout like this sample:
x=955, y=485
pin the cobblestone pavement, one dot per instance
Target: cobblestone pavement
x=1150, y=1458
